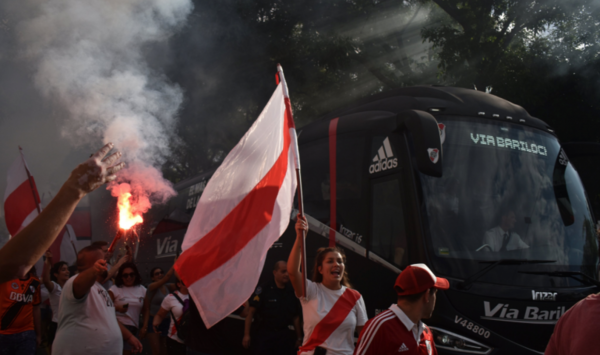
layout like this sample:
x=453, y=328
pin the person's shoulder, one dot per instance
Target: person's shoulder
x=260, y=289
x=67, y=289
x=168, y=299
x=427, y=332
x=379, y=332
x=591, y=302
x=354, y=291
x=69, y=282
x=384, y=319
x=492, y=230
x=57, y=288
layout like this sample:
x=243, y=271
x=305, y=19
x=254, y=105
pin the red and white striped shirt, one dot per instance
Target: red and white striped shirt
x=392, y=332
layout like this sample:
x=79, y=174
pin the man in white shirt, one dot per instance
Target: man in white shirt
x=87, y=323
x=501, y=238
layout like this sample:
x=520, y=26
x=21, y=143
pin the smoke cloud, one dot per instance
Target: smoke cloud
x=89, y=58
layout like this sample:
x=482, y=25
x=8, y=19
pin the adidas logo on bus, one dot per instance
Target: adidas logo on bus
x=384, y=159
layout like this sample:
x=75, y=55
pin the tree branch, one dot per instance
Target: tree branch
x=388, y=82
x=452, y=12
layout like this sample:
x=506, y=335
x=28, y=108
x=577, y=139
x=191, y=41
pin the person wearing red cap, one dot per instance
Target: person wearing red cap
x=399, y=329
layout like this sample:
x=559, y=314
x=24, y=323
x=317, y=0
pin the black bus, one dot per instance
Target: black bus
x=437, y=175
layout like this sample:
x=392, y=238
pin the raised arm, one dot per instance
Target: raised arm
x=115, y=268
x=293, y=264
x=156, y=285
x=23, y=250
x=46, y=280
x=86, y=279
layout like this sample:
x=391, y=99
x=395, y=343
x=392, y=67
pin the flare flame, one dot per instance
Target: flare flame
x=127, y=218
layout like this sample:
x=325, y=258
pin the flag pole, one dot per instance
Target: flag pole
x=31, y=183
x=288, y=109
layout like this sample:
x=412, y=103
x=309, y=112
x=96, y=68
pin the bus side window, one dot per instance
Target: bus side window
x=388, y=228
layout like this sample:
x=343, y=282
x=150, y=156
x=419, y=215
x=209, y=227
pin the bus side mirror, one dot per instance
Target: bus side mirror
x=425, y=133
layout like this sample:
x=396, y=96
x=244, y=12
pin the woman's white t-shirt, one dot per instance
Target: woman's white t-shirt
x=172, y=304
x=133, y=295
x=54, y=297
x=319, y=301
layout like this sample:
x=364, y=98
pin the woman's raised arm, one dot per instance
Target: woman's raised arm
x=293, y=264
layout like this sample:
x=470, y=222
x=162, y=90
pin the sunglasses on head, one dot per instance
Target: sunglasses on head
x=125, y=276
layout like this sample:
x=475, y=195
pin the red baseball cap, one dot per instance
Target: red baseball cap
x=418, y=278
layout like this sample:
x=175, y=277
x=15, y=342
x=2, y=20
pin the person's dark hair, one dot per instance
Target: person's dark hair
x=179, y=282
x=154, y=269
x=128, y=265
x=504, y=210
x=276, y=265
x=415, y=297
x=89, y=248
x=99, y=243
x=321, y=253
x=56, y=268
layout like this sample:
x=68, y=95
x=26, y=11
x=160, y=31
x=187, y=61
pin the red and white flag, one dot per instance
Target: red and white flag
x=21, y=198
x=244, y=209
x=64, y=247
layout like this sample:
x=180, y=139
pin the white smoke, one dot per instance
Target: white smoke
x=88, y=57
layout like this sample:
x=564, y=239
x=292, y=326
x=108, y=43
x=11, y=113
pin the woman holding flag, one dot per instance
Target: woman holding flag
x=332, y=311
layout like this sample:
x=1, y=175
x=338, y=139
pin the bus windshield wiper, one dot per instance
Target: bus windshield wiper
x=463, y=285
x=572, y=274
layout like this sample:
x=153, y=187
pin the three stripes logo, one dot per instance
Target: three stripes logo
x=384, y=159
x=403, y=348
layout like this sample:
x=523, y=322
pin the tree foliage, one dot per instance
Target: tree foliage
x=541, y=54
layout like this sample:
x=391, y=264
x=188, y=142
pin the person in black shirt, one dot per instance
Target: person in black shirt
x=274, y=307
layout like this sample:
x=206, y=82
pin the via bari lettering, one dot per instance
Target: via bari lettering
x=500, y=142
x=502, y=312
x=167, y=246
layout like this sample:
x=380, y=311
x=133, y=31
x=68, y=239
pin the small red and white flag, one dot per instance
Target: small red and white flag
x=63, y=248
x=244, y=209
x=21, y=198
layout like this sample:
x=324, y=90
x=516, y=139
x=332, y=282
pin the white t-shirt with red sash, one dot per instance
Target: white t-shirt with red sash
x=330, y=319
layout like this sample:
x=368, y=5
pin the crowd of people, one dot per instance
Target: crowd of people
x=105, y=309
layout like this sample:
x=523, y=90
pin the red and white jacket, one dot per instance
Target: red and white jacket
x=392, y=332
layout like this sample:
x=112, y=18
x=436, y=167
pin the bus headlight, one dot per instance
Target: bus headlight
x=450, y=341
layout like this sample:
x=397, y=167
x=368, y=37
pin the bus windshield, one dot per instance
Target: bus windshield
x=508, y=192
